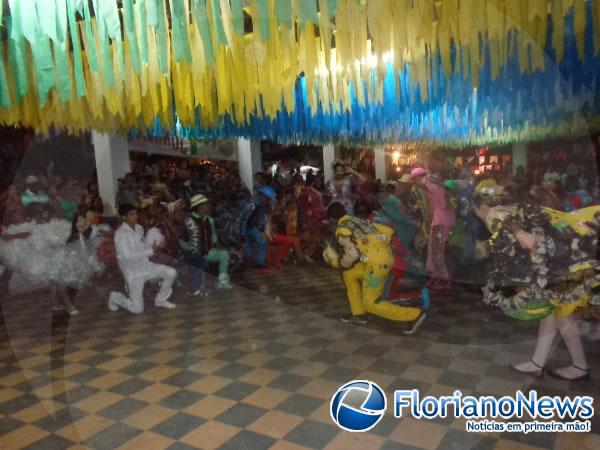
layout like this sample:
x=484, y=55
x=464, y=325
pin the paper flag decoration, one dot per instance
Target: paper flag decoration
x=454, y=72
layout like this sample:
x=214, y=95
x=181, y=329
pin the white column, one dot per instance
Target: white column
x=519, y=156
x=250, y=160
x=380, y=164
x=330, y=154
x=112, y=163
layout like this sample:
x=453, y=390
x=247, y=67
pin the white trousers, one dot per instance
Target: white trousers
x=135, y=287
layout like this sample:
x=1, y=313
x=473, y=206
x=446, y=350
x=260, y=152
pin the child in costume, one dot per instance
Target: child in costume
x=543, y=268
x=43, y=253
x=366, y=258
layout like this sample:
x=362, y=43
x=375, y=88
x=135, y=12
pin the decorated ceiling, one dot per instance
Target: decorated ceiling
x=456, y=72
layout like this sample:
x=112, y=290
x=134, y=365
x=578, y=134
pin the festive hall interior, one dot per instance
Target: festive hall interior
x=299, y=224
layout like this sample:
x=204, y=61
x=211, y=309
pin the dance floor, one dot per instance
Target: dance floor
x=255, y=368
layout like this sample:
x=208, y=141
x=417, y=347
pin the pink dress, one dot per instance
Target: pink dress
x=443, y=220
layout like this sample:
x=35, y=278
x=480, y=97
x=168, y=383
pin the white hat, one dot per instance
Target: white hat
x=32, y=179
x=198, y=200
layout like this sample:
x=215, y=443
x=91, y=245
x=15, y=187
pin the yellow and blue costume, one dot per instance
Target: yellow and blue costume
x=366, y=259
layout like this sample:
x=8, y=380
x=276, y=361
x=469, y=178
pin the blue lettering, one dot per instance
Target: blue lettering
x=506, y=405
x=527, y=403
x=430, y=407
x=566, y=405
x=469, y=409
x=416, y=406
x=586, y=410
x=545, y=407
x=492, y=411
x=400, y=401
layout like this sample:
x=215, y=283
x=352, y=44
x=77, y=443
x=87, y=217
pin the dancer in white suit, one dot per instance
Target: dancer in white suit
x=133, y=256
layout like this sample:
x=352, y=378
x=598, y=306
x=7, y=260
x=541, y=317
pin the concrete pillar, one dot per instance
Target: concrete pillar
x=112, y=163
x=380, y=164
x=330, y=154
x=250, y=160
x=519, y=156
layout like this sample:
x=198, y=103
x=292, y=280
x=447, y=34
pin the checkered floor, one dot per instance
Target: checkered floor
x=254, y=368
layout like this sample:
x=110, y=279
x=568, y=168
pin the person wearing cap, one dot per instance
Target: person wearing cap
x=443, y=218
x=133, y=256
x=258, y=230
x=33, y=192
x=203, y=243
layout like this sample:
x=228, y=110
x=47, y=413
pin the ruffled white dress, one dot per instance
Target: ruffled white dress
x=45, y=257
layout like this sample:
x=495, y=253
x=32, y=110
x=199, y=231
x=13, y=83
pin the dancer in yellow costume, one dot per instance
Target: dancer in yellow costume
x=366, y=258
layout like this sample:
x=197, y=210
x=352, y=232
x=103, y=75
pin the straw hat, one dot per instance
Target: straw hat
x=32, y=179
x=198, y=200
x=405, y=179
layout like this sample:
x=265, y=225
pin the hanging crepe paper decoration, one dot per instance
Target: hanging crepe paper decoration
x=468, y=72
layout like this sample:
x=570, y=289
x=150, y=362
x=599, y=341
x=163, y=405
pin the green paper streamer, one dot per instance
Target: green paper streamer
x=17, y=58
x=92, y=58
x=129, y=23
x=152, y=13
x=179, y=35
x=307, y=12
x=99, y=19
x=61, y=22
x=78, y=66
x=263, y=18
x=140, y=11
x=110, y=14
x=26, y=20
x=283, y=10
x=44, y=66
x=63, y=71
x=216, y=12
x=201, y=22
x=5, y=101
x=46, y=10
x=332, y=6
x=237, y=15
x=109, y=74
x=61, y=52
x=162, y=38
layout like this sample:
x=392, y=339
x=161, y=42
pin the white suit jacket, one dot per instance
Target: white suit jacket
x=132, y=253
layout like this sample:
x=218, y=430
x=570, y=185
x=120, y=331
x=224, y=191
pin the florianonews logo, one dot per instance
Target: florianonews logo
x=358, y=405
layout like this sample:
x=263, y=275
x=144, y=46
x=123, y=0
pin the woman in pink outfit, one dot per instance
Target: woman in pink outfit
x=443, y=220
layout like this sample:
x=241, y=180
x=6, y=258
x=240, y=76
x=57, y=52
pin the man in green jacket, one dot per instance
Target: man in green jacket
x=202, y=238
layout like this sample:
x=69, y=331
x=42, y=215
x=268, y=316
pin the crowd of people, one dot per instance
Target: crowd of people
x=393, y=241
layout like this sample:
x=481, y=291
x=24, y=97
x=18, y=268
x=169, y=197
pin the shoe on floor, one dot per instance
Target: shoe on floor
x=111, y=304
x=355, y=320
x=198, y=293
x=224, y=281
x=166, y=304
